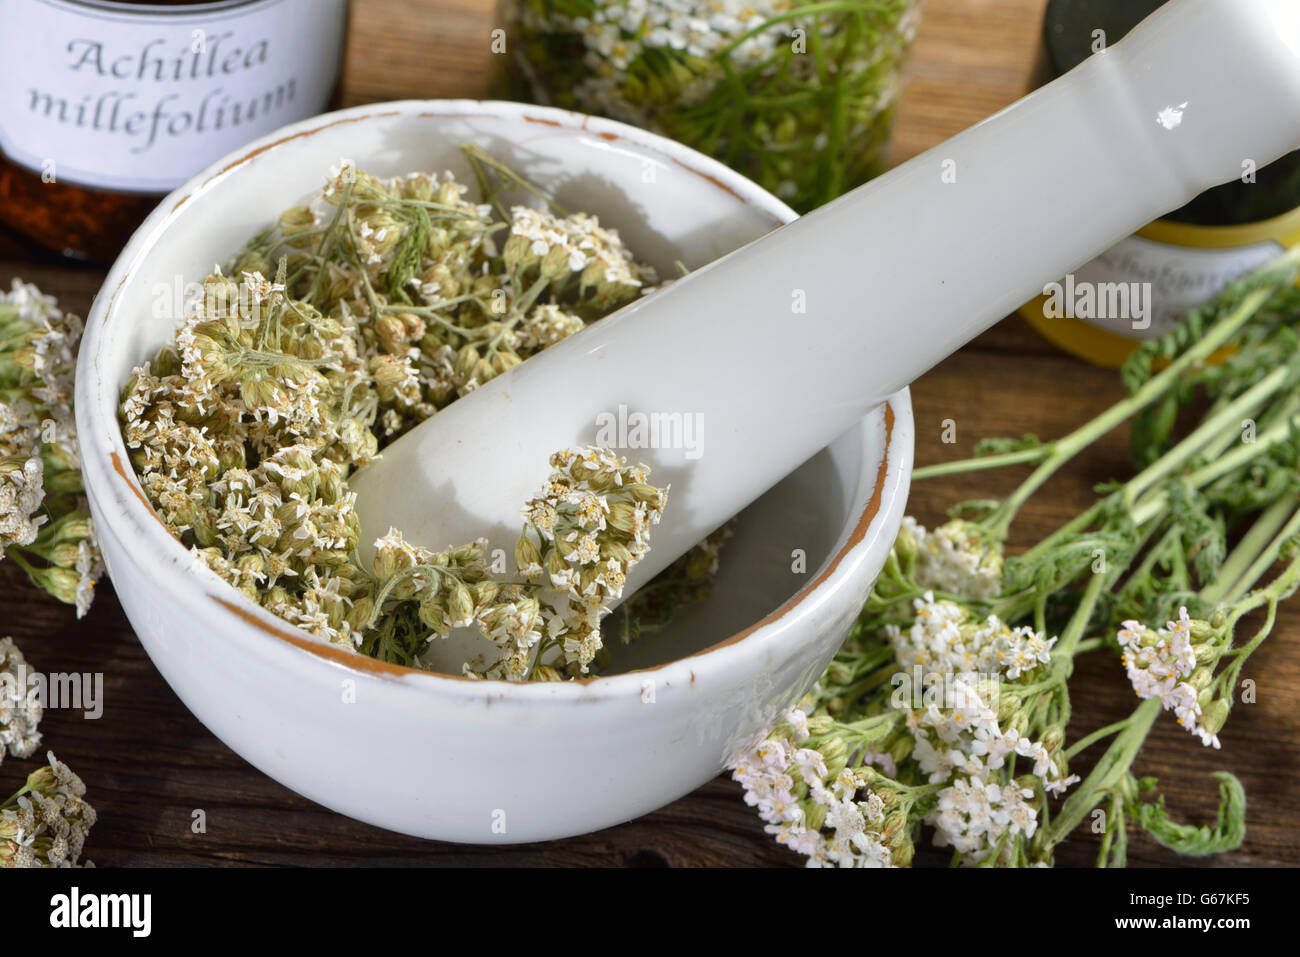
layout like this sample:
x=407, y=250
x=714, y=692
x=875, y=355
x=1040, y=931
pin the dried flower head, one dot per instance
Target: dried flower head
x=45, y=823
x=44, y=521
x=20, y=711
x=390, y=298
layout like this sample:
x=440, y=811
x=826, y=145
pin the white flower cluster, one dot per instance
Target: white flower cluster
x=951, y=559
x=20, y=712
x=45, y=824
x=52, y=357
x=591, y=524
x=966, y=738
x=965, y=744
x=974, y=815
x=31, y=316
x=22, y=477
x=38, y=445
x=943, y=640
x=543, y=327
x=573, y=245
x=616, y=34
x=771, y=771
x=1158, y=664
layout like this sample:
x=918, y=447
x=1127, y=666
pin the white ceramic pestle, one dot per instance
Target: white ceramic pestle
x=892, y=277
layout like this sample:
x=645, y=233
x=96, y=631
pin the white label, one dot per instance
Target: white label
x=121, y=99
x=1168, y=279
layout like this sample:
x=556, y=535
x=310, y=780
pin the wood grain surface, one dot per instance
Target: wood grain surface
x=149, y=764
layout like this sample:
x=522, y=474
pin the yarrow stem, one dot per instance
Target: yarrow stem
x=994, y=688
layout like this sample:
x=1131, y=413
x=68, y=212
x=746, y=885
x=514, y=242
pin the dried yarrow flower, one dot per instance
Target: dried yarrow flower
x=44, y=521
x=20, y=711
x=45, y=823
x=390, y=299
x=586, y=530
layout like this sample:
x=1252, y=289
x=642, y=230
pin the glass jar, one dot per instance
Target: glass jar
x=799, y=96
x=107, y=105
x=1185, y=257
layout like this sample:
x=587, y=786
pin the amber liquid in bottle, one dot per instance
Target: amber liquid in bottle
x=86, y=220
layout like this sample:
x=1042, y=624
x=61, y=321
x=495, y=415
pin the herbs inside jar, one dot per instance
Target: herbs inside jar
x=391, y=298
x=799, y=96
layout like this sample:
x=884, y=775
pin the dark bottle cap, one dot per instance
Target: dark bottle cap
x=1069, y=37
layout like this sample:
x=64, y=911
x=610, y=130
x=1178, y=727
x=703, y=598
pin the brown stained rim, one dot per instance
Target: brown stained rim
x=280, y=142
x=359, y=662
x=120, y=469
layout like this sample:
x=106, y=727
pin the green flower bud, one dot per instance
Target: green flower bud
x=460, y=606
x=433, y=613
x=390, y=331
x=1054, y=739
x=820, y=724
x=835, y=755
x=59, y=582
x=296, y=221
x=838, y=673
x=1008, y=707
x=1216, y=715
x=358, y=615
x=814, y=814
x=905, y=549
x=528, y=557
x=485, y=593
x=555, y=264
x=901, y=749
x=503, y=362
x=623, y=517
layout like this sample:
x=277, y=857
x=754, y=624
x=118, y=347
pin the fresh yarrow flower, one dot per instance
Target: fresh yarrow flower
x=954, y=558
x=812, y=803
x=1161, y=664
x=45, y=823
x=963, y=746
x=20, y=711
x=945, y=639
x=44, y=520
x=974, y=816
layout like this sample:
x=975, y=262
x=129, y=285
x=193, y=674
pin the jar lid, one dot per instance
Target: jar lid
x=1069, y=38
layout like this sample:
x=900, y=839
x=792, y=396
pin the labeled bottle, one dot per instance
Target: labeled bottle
x=1142, y=286
x=107, y=105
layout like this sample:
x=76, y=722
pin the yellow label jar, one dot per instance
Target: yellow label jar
x=1144, y=284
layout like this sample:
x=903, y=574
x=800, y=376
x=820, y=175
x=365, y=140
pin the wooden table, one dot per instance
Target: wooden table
x=149, y=764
